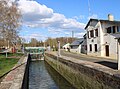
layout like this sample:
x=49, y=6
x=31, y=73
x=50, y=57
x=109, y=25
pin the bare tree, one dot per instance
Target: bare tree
x=33, y=42
x=54, y=41
x=9, y=22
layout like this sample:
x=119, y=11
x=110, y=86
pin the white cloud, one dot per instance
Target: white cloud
x=34, y=35
x=33, y=11
x=67, y=33
x=76, y=17
x=38, y=15
x=80, y=35
x=93, y=16
x=81, y=17
x=54, y=31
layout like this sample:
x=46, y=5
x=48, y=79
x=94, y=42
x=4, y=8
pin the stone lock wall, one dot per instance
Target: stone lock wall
x=84, y=75
x=18, y=77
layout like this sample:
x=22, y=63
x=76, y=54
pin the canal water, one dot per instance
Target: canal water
x=42, y=76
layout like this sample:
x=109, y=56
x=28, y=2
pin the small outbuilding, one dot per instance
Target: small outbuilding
x=76, y=45
x=66, y=47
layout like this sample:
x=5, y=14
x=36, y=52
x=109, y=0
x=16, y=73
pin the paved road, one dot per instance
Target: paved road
x=103, y=61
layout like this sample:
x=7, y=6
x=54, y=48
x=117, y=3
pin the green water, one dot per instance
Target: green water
x=42, y=76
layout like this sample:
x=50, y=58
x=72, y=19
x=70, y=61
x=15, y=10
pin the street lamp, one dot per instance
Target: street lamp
x=59, y=48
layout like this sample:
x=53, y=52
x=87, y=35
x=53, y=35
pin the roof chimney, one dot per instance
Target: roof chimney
x=110, y=17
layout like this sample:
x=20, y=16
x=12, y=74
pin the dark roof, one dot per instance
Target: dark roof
x=90, y=21
x=114, y=22
x=77, y=42
x=117, y=35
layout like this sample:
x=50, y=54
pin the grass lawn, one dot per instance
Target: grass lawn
x=7, y=63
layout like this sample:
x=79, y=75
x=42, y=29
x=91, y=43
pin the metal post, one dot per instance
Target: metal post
x=59, y=48
x=118, y=55
x=6, y=54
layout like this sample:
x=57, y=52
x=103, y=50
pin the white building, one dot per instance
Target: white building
x=66, y=46
x=101, y=37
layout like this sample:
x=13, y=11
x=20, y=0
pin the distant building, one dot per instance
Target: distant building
x=76, y=46
x=101, y=37
x=66, y=47
x=84, y=45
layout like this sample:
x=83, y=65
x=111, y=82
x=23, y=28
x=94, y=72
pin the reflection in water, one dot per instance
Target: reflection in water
x=42, y=76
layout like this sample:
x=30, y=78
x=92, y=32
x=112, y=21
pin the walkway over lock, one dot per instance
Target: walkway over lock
x=37, y=53
x=35, y=50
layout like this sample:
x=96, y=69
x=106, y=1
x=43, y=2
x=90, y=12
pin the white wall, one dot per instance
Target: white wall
x=76, y=49
x=102, y=40
x=94, y=40
x=110, y=40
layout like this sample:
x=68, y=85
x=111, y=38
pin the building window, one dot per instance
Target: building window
x=109, y=30
x=118, y=29
x=96, y=32
x=90, y=47
x=95, y=47
x=88, y=34
x=91, y=33
x=114, y=29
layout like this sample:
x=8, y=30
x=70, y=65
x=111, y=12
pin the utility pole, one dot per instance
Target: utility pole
x=72, y=35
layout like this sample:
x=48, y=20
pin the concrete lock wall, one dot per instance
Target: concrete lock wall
x=84, y=75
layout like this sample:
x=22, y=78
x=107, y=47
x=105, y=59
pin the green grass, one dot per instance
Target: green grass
x=10, y=55
x=7, y=63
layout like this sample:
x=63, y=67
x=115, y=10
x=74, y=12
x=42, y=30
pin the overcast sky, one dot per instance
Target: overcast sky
x=58, y=18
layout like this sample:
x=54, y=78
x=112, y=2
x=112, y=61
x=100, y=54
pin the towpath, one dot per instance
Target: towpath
x=111, y=63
